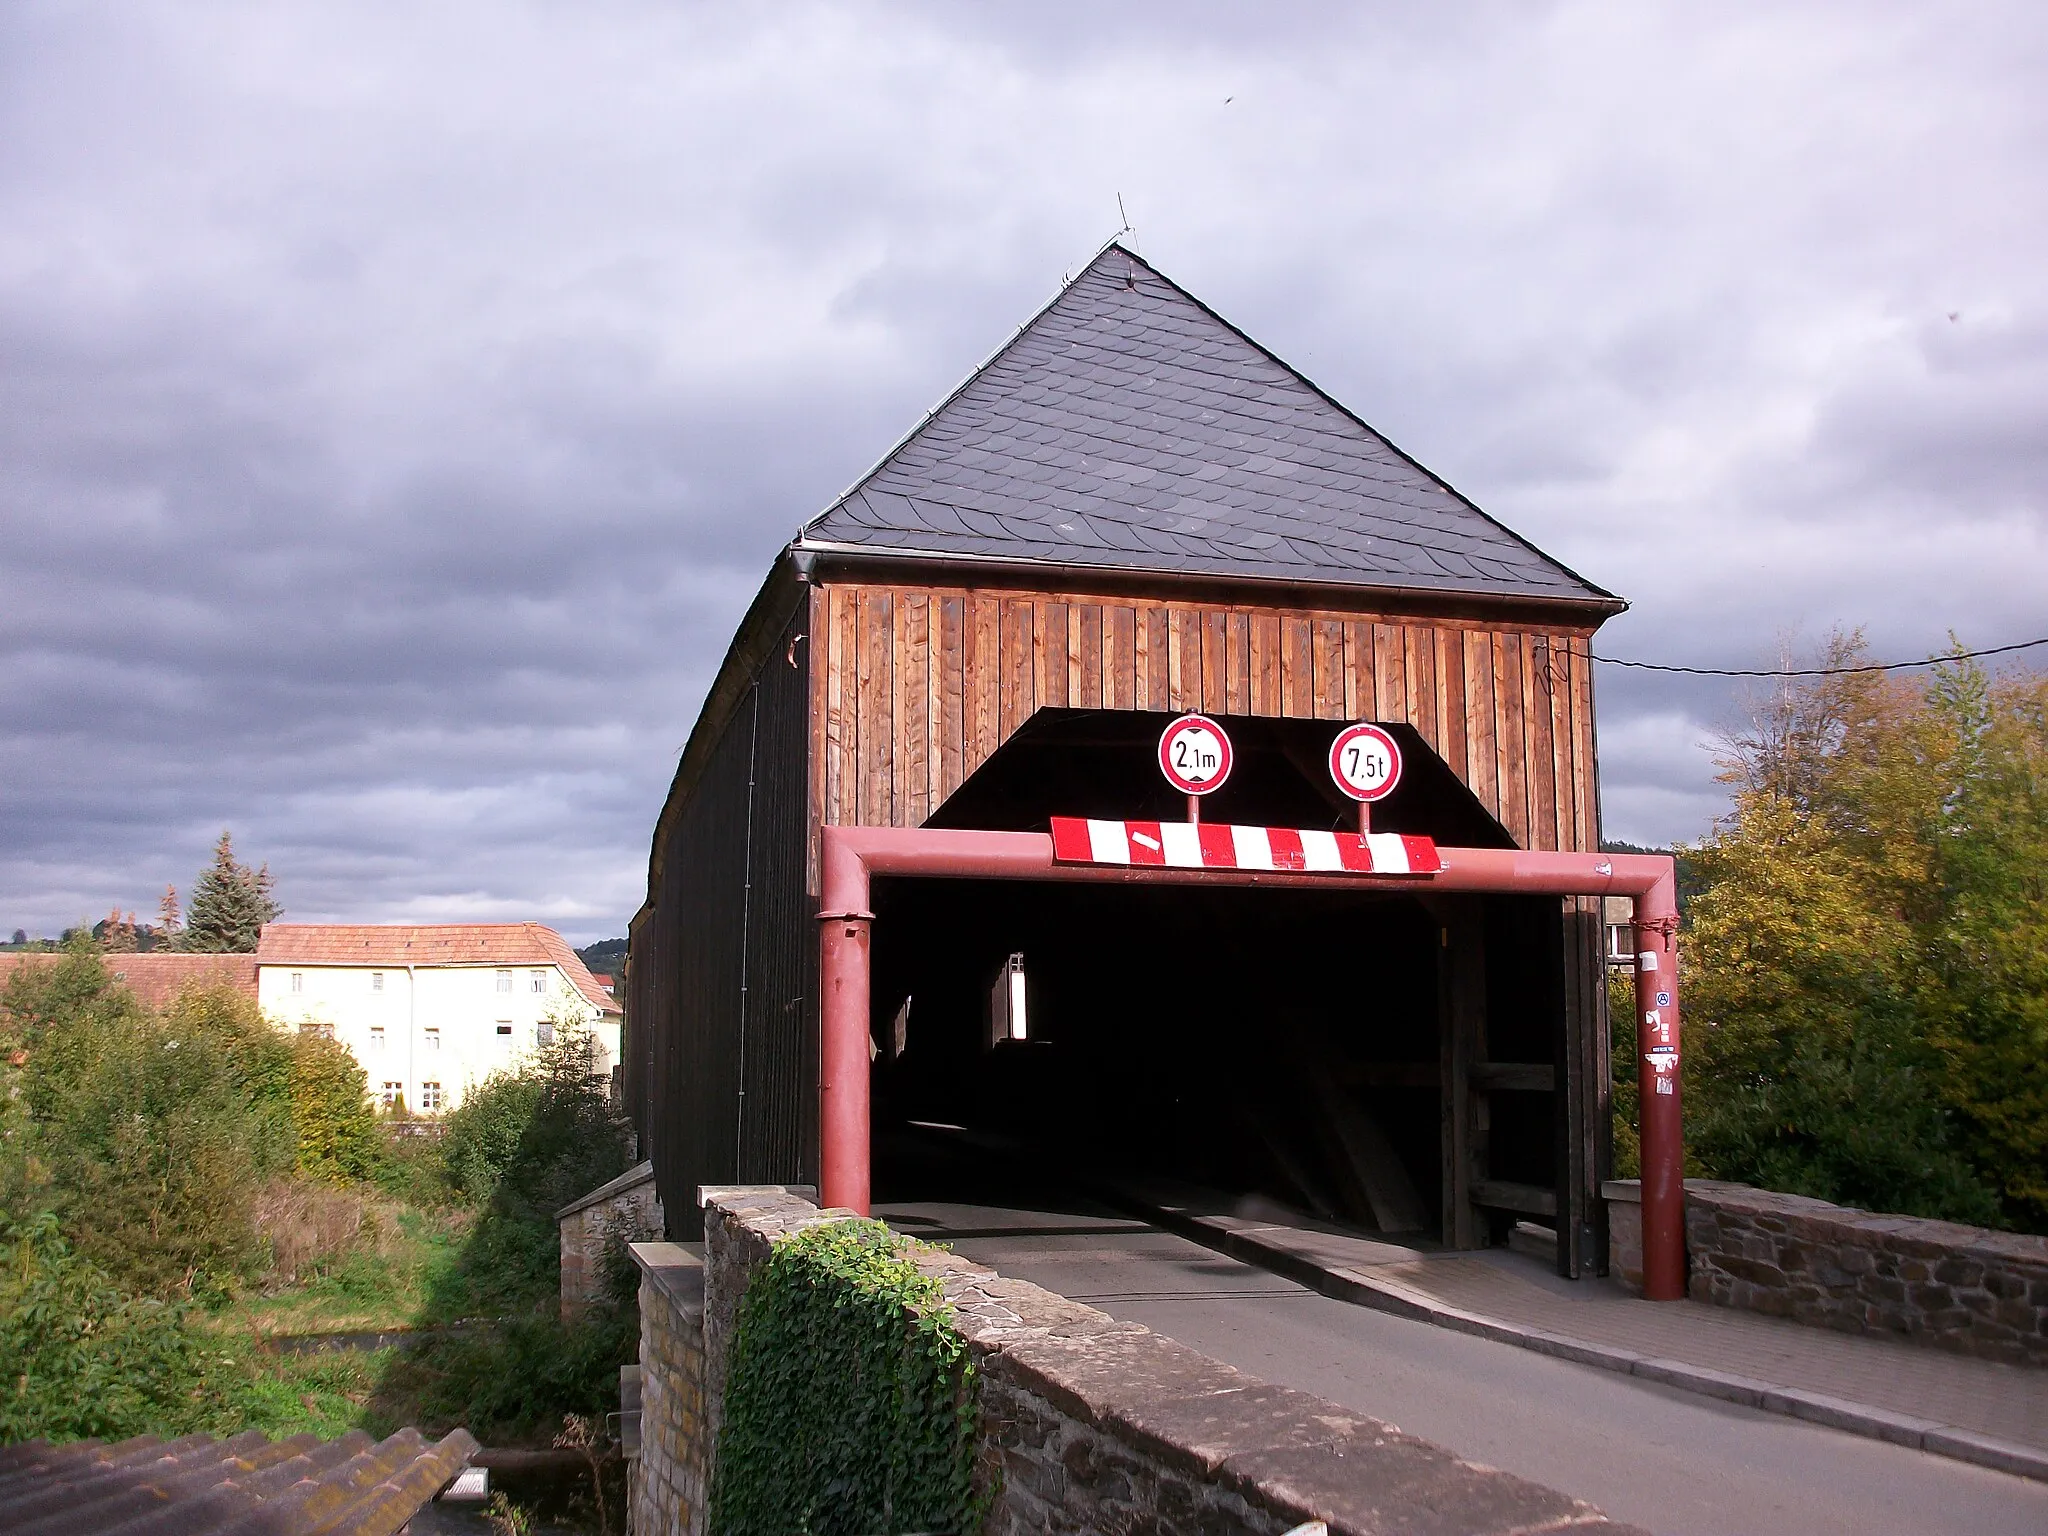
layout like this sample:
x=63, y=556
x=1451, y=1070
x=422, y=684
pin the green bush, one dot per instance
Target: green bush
x=485, y=1135
x=148, y=1135
x=850, y=1396
x=514, y=1380
x=182, y=1154
x=79, y=1356
x=337, y=1137
x=521, y=1146
x=414, y=1169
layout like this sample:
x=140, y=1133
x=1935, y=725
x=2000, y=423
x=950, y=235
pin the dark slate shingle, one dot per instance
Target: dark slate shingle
x=1128, y=427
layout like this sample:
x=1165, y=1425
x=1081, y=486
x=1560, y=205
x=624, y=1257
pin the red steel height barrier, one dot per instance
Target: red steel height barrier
x=852, y=855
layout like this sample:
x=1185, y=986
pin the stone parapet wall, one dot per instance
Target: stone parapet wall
x=626, y=1210
x=1093, y=1425
x=669, y=1481
x=1933, y=1282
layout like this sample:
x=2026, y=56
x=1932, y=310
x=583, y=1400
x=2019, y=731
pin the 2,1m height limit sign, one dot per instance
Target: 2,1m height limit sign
x=1194, y=754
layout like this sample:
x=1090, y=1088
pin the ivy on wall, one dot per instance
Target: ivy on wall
x=849, y=1396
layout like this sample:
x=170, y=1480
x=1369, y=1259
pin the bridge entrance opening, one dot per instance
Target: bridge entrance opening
x=1284, y=1045
x=1276, y=1047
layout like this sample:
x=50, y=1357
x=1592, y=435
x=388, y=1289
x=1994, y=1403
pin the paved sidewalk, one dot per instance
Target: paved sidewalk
x=1974, y=1410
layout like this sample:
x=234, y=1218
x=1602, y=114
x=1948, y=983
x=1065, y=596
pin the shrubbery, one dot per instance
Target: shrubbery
x=147, y=1135
x=153, y=1160
x=337, y=1140
x=79, y=1356
x=521, y=1146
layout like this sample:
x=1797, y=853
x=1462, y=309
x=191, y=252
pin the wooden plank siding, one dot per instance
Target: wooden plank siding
x=919, y=686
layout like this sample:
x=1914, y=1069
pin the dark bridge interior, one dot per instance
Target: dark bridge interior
x=1284, y=1044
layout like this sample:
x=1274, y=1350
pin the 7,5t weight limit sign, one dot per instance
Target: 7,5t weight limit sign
x=1365, y=762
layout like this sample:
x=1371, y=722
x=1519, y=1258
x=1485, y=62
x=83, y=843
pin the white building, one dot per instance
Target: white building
x=432, y=1010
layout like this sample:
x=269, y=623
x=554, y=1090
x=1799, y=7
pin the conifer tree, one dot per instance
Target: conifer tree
x=169, y=918
x=117, y=933
x=230, y=904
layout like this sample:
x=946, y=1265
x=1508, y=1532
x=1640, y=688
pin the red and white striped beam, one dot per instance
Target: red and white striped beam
x=1209, y=845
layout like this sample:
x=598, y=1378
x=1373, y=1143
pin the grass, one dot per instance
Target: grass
x=327, y=1393
x=402, y=1276
x=508, y=1374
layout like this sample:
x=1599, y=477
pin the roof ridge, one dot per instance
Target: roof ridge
x=1129, y=425
x=989, y=361
x=1350, y=415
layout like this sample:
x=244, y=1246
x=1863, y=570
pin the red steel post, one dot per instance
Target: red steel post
x=843, y=1060
x=1659, y=1095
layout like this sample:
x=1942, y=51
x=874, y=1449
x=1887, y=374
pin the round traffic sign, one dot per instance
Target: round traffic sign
x=1194, y=754
x=1365, y=762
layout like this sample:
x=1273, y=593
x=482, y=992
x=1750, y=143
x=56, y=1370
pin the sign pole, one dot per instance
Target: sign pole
x=1195, y=756
x=1365, y=762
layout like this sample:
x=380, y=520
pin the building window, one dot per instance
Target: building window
x=504, y=981
x=430, y=1096
x=376, y=981
x=504, y=1026
x=376, y=1037
x=536, y=981
x=298, y=981
x=544, y=1034
x=392, y=1093
x=323, y=1031
x=433, y=1038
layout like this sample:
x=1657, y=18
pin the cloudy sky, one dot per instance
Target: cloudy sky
x=399, y=402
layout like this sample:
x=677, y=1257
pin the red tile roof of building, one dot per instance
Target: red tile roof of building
x=157, y=977
x=401, y=944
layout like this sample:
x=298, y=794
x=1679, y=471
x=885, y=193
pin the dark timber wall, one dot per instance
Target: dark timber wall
x=721, y=1073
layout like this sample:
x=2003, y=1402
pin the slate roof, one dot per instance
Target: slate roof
x=397, y=945
x=1130, y=428
x=249, y=1486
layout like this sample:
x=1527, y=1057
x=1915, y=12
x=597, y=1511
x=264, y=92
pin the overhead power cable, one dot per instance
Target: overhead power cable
x=1886, y=666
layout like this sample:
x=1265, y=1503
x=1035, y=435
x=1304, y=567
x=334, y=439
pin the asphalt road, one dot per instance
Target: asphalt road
x=1671, y=1462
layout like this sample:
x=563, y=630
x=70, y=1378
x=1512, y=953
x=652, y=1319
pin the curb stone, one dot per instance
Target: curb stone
x=1397, y=1300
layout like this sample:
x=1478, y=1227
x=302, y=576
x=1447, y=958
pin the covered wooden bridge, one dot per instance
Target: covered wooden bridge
x=1133, y=510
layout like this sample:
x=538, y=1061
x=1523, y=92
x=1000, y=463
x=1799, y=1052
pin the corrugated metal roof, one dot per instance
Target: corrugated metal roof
x=199, y=1486
x=1129, y=427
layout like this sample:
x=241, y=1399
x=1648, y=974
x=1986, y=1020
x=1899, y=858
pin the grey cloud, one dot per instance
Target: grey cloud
x=399, y=406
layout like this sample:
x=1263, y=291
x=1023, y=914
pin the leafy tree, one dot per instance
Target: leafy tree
x=230, y=904
x=1867, y=962
x=335, y=1129
x=524, y=1144
x=146, y=1134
